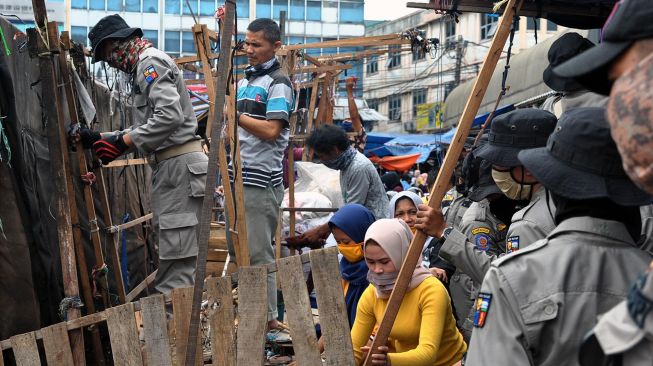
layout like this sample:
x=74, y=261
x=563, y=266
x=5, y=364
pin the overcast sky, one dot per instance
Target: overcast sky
x=387, y=9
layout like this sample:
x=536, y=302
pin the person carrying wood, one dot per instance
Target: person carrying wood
x=164, y=128
x=264, y=99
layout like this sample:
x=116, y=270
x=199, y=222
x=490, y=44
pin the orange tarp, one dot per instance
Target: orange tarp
x=399, y=163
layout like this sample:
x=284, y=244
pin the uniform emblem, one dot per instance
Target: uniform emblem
x=512, y=244
x=150, y=74
x=258, y=97
x=482, y=307
x=480, y=230
x=482, y=242
x=501, y=227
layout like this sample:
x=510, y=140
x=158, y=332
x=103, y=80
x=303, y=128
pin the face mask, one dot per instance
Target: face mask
x=384, y=282
x=512, y=189
x=342, y=161
x=352, y=252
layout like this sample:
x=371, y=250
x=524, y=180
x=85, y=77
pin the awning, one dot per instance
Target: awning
x=382, y=145
x=397, y=163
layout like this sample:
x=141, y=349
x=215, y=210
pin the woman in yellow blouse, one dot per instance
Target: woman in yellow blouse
x=424, y=333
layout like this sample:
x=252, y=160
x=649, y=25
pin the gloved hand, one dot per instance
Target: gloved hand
x=109, y=148
x=88, y=137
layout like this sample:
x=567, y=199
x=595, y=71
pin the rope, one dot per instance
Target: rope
x=69, y=303
x=98, y=271
x=89, y=178
x=504, y=77
x=4, y=42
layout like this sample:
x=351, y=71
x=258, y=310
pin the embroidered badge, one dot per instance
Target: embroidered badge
x=258, y=97
x=501, y=227
x=482, y=307
x=482, y=242
x=512, y=244
x=150, y=74
x=481, y=230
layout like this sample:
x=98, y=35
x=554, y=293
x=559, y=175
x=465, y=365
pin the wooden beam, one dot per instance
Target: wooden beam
x=352, y=42
x=444, y=176
x=204, y=227
x=141, y=286
x=125, y=162
x=127, y=225
x=321, y=69
x=530, y=9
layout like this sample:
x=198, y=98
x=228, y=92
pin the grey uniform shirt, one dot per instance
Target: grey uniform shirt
x=647, y=227
x=360, y=183
x=536, y=305
x=162, y=114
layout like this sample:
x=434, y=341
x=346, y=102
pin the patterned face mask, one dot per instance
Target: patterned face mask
x=630, y=113
x=124, y=54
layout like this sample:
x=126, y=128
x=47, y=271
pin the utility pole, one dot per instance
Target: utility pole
x=460, y=50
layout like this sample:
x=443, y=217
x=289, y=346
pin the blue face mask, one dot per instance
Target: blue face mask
x=342, y=161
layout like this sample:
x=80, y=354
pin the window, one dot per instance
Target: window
x=313, y=51
x=419, y=97
x=373, y=104
x=172, y=7
x=78, y=4
x=418, y=54
x=351, y=12
x=207, y=7
x=152, y=36
x=133, y=5
x=295, y=40
x=186, y=10
x=394, y=107
x=172, y=41
x=114, y=5
x=531, y=24
x=242, y=8
x=79, y=34
x=150, y=6
x=278, y=7
x=394, y=58
x=331, y=50
x=96, y=4
x=330, y=11
x=296, y=10
x=488, y=25
x=263, y=8
x=372, y=64
x=313, y=10
x=551, y=26
x=450, y=30
x=187, y=43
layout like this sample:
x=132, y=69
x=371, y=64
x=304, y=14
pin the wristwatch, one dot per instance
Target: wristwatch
x=446, y=232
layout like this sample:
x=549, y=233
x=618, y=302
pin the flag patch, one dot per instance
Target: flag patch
x=150, y=74
x=512, y=244
x=482, y=307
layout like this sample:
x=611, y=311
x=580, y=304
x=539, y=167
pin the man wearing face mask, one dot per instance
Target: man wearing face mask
x=164, y=128
x=359, y=181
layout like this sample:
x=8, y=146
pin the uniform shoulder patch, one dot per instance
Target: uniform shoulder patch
x=483, y=242
x=481, y=309
x=480, y=230
x=150, y=74
x=512, y=244
x=501, y=227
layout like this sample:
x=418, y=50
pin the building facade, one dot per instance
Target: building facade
x=403, y=85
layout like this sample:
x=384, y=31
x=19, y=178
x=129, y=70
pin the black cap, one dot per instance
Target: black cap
x=564, y=48
x=630, y=21
x=581, y=161
x=110, y=27
x=485, y=185
x=515, y=131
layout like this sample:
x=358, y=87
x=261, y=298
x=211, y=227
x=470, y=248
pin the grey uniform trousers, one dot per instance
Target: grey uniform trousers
x=177, y=194
x=261, y=212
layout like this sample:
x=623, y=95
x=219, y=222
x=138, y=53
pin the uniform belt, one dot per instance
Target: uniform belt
x=172, y=151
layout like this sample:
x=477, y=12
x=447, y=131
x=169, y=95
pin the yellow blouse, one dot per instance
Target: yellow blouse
x=424, y=333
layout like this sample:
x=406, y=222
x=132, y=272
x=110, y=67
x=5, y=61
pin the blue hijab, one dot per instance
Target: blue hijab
x=353, y=219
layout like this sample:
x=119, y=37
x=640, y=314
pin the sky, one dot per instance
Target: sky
x=387, y=9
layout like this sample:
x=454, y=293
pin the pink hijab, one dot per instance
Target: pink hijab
x=394, y=237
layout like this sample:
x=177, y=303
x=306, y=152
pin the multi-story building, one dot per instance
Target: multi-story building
x=167, y=23
x=396, y=84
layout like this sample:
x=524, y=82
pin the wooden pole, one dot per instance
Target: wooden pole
x=448, y=165
x=205, y=219
x=60, y=203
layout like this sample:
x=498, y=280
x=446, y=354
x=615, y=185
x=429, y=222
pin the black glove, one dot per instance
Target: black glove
x=89, y=137
x=109, y=148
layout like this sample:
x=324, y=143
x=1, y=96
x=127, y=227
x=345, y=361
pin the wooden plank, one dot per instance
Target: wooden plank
x=141, y=286
x=311, y=113
x=217, y=255
x=350, y=42
x=253, y=315
x=123, y=332
x=57, y=345
x=125, y=162
x=127, y=225
x=221, y=318
x=332, y=308
x=528, y=10
x=182, y=299
x=155, y=330
x=442, y=182
x=25, y=350
x=321, y=69
x=298, y=308
x=2, y=362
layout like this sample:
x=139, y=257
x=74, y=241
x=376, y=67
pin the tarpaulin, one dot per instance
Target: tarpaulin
x=397, y=163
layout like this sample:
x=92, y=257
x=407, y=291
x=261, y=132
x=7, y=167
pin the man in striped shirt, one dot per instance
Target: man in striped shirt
x=264, y=99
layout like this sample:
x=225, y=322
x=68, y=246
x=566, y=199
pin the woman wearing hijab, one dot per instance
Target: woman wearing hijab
x=348, y=227
x=424, y=332
x=403, y=206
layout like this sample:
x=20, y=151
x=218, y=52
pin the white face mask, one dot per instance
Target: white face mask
x=512, y=189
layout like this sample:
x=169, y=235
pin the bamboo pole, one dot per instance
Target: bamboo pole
x=444, y=176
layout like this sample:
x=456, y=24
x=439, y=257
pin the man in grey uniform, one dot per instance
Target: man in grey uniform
x=537, y=304
x=164, y=127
